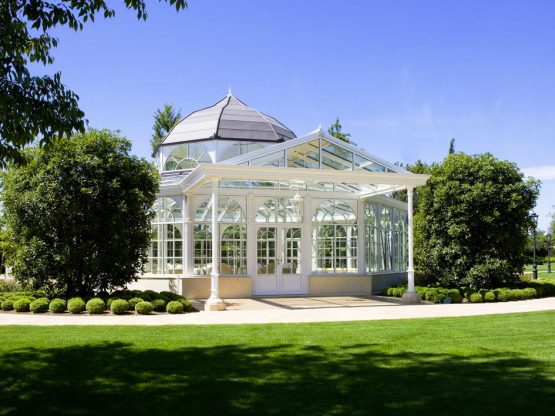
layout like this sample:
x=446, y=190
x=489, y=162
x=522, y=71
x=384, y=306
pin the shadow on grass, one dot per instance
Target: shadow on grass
x=116, y=378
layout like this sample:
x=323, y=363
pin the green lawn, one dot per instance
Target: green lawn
x=542, y=270
x=494, y=365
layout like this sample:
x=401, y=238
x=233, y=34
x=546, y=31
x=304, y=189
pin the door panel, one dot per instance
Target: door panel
x=266, y=261
x=291, y=277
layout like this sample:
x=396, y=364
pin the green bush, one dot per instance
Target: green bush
x=149, y=295
x=476, y=298
x=143, y=308
x=39, y=306
x=119, y=306
x=188, y=306
x=159, y=305
x=489, y=296
x=134, y=301
x=455, y=296
x=76, y=305
x=503, y=295
x=7, y=305
x=516, y=294
x=169, y=296
x=95, y=306
x=57, y=305
x=490, y=274
x=174, y=307
x=22, y=305
x=529, y=293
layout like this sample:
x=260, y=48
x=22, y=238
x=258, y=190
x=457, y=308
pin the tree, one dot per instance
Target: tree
x=473, y=210
x=164, y=120
x=419, y=167
x=77, y=213
x=452, y=146
x=33, y=107
x=335, y=131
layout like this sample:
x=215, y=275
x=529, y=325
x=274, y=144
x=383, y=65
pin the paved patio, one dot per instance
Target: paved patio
x=289, y=310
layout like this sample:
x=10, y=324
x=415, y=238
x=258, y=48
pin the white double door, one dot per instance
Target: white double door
x=278, y=260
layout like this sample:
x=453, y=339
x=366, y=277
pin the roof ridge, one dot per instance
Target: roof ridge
x=220, y=116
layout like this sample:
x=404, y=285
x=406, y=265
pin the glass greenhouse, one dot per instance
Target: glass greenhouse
x=308, y=215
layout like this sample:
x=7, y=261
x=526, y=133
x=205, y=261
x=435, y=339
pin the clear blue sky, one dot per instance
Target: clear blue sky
x=403, y=76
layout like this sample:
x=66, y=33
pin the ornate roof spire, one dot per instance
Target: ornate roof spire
x=229, y=94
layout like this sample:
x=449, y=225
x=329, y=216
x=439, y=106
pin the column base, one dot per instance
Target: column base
x=214, y=304
x=411, y=298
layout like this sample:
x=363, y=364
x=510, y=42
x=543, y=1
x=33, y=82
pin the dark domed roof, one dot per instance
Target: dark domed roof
x=229, y=119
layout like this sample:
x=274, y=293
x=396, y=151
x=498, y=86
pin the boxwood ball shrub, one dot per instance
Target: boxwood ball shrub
x=39, y=305
x=119, y=306
x=143, y=308
x=7, y=305
x=95, y=306
x=134, y=301
x=174, y=307
x=57, y=305
x=22, y=305
x=476, y=298
x=455, y=295
x=489, y=296
x=529, y=293
x=159, y=305
x=76, y=305
x=188, y=306
x=503, y=295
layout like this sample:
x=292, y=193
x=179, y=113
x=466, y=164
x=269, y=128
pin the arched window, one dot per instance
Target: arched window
x=386, y=239
x=400, y=239
x=187, y=156
x=166, y=245
x=334, y=238
x=371, y=233
x=233, y=238
x=279, y=210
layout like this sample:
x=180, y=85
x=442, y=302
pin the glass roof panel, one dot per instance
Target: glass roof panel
x=361, y=163
x=336, y=157
x=306, y=155
x=276, y=159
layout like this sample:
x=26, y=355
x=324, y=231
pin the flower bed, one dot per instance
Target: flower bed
x=119, y=302
x=525, y=290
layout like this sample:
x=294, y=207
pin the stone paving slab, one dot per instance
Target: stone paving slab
x=276, y=314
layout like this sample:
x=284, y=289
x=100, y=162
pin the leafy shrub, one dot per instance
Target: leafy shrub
x=159, y=305
x=169, y=296
x=39, y=306
x=476, y=298
x=143, y=308
x=76, y=305
x=96, y=306
x=188, y=306
x=22, y=305
x=439, y=296
x=134, y=301
x=174, y=307
x=503, y=295
x=516, y=294
x=57, y=305
x=7, y=305
x=490, y=274
x=489, y=296
x=149, y=295
x=529, y=293
x=455, y=296
x=119, y=306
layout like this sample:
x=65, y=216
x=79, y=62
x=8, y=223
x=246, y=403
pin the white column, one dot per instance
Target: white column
x=410, y=296
x=361, y=239
x=188, y=236
x=214, y=303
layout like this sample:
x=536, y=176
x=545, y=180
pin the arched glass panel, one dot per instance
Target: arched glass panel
x=233, y=249
x=333, y=210
x=187, y=156
x=279, y=210
x=230, y=211
x=202, y=254
x=166, y=210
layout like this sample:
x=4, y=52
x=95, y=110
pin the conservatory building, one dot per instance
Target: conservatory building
x=246, y=208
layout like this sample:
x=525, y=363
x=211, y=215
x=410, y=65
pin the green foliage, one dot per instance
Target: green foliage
x=7, y=305
x=473, y=208
x=455, y=296
x=335, y=130
x=76, y=305
x=41, y=106
x=143, y=308
x=134, y=301
x=188, y=306
x=159, y=305
x=529, y=293
x=57, y=305
x=95, y=306
x=75, y=214
x=174, y=307
x=452, y=146
x=490, y=296
x=164, y=120
x=491, y=273
x=476, y=298
x=22, y=305
x=119, y=307
x=516, y=294
x=39, y=305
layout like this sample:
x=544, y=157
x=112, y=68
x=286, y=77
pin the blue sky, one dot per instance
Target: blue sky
x=403, y=76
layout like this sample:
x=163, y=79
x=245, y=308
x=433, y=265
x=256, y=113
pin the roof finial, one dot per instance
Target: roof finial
x=320, y=126
x=229, y=91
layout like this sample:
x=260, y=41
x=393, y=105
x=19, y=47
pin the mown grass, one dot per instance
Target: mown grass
x=542, y=270
x=495, y=365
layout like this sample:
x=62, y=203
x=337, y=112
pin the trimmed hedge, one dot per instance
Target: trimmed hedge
x=119, y=306
x=159, y=305
x=22, y=305
x=95, y=306
x=134, y=301
x=476, y=298
x=175, y=307
x=39, y=305
x=144, y=308
x=7, y=305
x=490, y=296
x=76, y=305
x=57, y=305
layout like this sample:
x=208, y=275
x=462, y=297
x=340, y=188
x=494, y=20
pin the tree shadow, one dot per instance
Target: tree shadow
x=118, y=378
